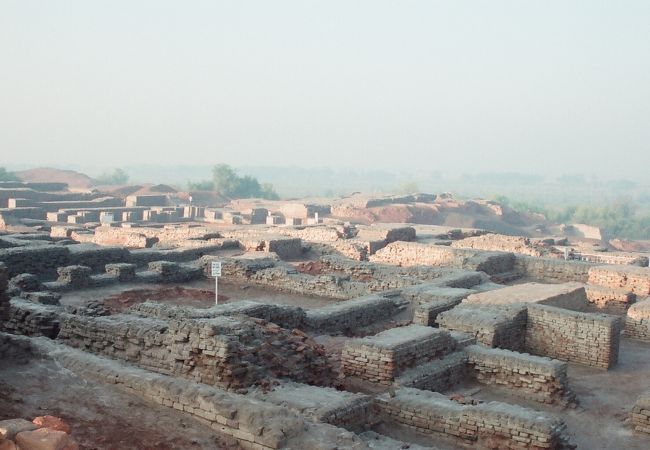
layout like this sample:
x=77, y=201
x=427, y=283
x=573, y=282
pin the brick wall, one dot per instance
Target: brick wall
x=488, y=425
x=380, y=358
x=589, y=339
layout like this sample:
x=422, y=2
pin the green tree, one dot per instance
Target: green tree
x=5, y=175
x=118, y=176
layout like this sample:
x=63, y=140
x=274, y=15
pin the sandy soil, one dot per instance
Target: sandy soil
x=101, y=417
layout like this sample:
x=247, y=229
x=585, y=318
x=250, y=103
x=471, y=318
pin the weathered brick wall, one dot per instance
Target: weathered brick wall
x=417, y=254
x=538, y=378
x=438, y=375
x=551, y=270
x=499, y=326
x=39, y=260
x=380, y=358
x=488, y=425
x=589, y=339
x=255, y=424
x=640, y=414
x=351, y=315
x=637, y=321
x=632, y=278
x=231, y=352
x=501, y=243
x=32, y=319
x=284, y=315
x=609, y=300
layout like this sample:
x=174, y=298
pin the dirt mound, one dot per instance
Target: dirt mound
x=49, y=175
x=176, y=295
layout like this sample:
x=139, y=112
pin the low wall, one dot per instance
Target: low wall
x=551, y=270
x=609, y=300
x=632, y=278
x=538, y=378
x=500, y=326
x=416, y=254
x=350, y=315
x=320, y=404
x=380, y=358
x=640, y=414
x=488, y=425
x=500, y=243
x=637, y=321
x=589, y=339
x=226, y=351
x=32, y=319
x=438, y=375
x=255, y=424
x=283, y=315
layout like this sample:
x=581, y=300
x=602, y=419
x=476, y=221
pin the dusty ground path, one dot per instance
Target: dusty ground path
x=101, y=417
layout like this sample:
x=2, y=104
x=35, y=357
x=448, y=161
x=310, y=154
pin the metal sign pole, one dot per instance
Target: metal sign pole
x=216, y=290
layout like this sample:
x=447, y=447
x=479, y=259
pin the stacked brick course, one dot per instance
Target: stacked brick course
x=4, y=297
x=609, y=300
x=542, y=379
x=637, y=321
x=640, y=414
x=380, y=358
x=589, y=339
x=488, y=425
x=632, y=278
x=231, y=352
x=256, y=425
x=501, y=326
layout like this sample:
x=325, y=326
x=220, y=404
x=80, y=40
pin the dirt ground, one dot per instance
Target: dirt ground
x=101, y=416
x=198, y=294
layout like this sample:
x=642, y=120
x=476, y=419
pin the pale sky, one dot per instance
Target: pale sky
x=533, y=86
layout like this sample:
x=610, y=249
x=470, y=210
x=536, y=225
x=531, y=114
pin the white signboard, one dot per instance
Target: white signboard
x=107, y=218
x=216, y=268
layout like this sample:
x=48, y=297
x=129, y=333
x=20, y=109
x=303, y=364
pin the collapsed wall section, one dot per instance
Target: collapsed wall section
x=232, y=352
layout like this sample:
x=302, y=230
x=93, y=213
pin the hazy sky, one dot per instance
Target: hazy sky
x=534, y=86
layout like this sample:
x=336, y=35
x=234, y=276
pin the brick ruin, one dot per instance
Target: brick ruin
x=396, y=326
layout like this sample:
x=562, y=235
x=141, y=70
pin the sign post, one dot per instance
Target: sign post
x=216, y=273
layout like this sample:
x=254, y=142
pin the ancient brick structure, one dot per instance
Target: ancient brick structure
x=488, y=425
x=380, y=358
x=589, y=339
x=637, y=321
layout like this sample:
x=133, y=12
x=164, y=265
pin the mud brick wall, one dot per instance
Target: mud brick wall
x=497, y=326
x=353, y=314
x=97, y=257
x=501, y=243
x=632, y=278
x=284, y=315
x=32, y=319
x=417, y=254
x=288, y=280
x=609, y=300
x=320, y=404
x=640, y=414
x=488, y=425
x=542, y=379
x=232, y=352
x=438, y=375
x=637, y=321
x=255, y=424
x=380, y=358
x=551, y=269
x=40, y=260
x=589, y=339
